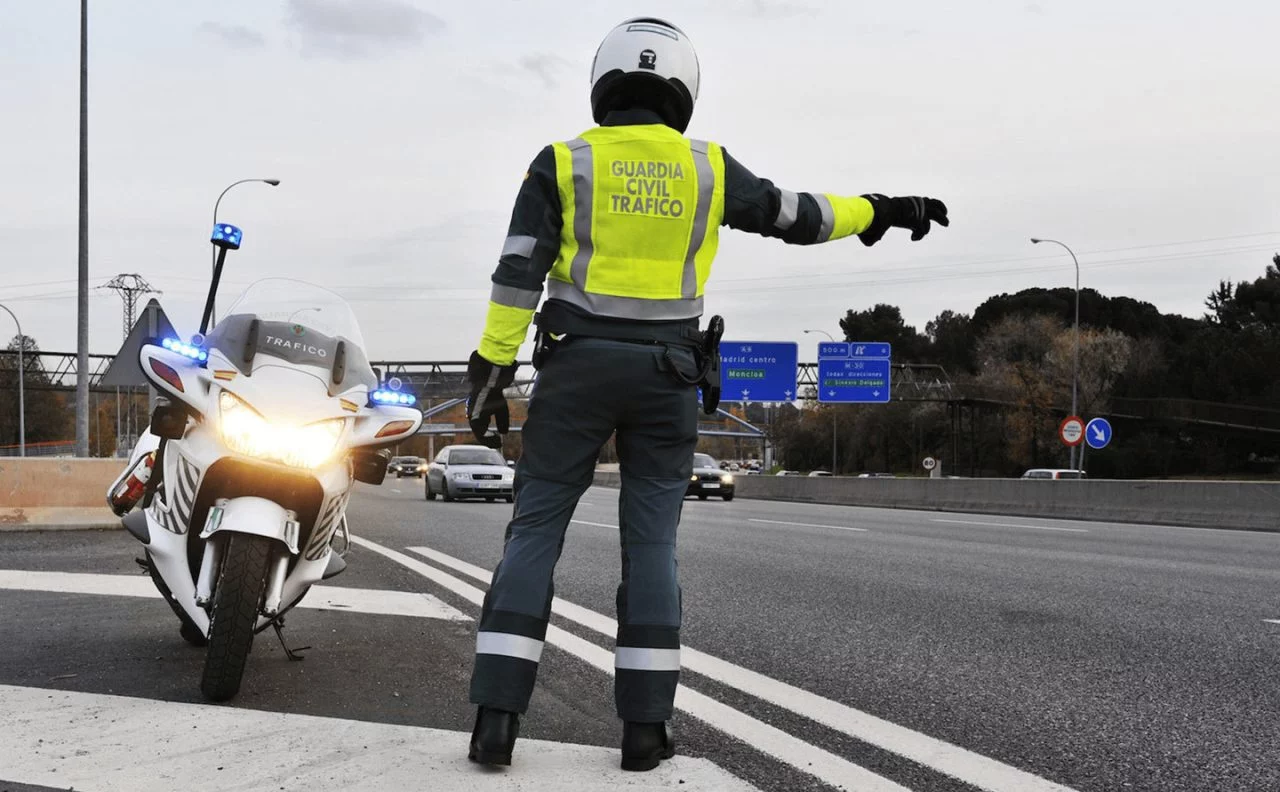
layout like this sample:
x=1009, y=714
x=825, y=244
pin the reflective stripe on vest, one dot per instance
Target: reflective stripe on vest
x=642, y=209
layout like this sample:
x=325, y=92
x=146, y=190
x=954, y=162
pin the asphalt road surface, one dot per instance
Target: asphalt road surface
x=826, y=647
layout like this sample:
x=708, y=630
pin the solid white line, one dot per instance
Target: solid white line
x=806, y=525
x=767, y=739
x=334, y=598
x=1012, y=525
x=594, y=524
x=1272, y=621
x=948, y=759
x=62, y=739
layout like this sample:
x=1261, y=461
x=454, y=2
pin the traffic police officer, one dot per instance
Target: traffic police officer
x=621, y=226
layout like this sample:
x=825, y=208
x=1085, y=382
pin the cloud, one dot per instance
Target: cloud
x=545, y=66
x=359, y=28
x=234, y=36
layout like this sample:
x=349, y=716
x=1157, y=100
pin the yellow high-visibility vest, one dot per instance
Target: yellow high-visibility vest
x=642, y=207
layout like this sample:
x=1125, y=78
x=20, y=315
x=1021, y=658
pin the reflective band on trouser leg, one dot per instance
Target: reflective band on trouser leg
x=638, y=658
x=828, y=217
x=706, y=188
x=788, y=210
x=496, y=643
x=583, y=195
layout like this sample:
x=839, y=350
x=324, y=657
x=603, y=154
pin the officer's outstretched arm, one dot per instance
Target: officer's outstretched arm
x=760, y=207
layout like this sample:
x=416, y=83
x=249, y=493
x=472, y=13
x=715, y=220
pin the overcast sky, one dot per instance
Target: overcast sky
x=1142, y=132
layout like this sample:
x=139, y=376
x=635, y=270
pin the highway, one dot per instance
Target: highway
x=827, y=647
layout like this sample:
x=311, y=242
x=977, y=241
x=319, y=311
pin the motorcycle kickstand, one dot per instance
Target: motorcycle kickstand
x=292, y=654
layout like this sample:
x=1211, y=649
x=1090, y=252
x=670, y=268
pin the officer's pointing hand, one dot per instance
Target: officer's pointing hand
x=485, y=401
x=912, y=212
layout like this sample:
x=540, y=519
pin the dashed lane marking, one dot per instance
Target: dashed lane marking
x=806, y=525
x=335, y=598
x=100, y=742
x=1012, y=525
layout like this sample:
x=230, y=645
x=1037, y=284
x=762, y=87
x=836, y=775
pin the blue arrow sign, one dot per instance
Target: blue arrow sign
x=758, y=371
x=1097, y=433
x=855, y=372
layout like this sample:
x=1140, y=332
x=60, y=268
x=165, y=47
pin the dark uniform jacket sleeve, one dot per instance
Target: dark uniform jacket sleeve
x=533, y=241
x=757, y=205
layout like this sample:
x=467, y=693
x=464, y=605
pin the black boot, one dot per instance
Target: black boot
x=646, y=744
x=494, y=736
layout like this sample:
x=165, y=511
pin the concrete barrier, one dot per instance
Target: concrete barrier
x=39, y=494
x=1253, y=506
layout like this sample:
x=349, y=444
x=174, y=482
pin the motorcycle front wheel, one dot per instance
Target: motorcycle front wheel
x=242, y=581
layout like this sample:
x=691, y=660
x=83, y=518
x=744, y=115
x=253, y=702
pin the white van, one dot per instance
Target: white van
x=1054, y=473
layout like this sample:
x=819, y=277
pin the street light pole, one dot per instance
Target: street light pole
x=834, y=434
x=1075, y=376
x=82, y=278
x=214, y=260
x=22, y=403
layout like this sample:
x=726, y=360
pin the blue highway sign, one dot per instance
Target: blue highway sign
x=854, y=372
x=758, y=371
x=1098, y=433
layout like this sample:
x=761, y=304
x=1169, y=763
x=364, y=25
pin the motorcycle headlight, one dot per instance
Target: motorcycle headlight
x=246, y=432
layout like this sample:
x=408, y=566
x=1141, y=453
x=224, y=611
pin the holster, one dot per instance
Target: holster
x=710, y=353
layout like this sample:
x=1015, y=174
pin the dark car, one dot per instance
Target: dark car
x=709, y=480
x=407, y=466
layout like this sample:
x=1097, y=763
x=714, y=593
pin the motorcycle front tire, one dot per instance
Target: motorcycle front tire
x=242, y=581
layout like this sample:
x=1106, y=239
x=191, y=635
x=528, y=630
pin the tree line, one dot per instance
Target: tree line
x=1187, y=396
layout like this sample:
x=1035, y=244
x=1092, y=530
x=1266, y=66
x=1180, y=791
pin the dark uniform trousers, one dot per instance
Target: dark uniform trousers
x=588, y=390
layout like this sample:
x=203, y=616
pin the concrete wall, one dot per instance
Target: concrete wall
x=47, y=493
x=1205, y=504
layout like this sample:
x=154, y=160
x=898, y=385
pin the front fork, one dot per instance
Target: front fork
x=211, y=563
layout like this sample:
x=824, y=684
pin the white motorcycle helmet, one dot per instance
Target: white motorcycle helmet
x=646, y=62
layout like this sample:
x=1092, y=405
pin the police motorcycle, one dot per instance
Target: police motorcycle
x=243, y=475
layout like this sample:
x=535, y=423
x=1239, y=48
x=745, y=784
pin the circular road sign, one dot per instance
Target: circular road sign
x=1072, y=431
x=1098, y=433
x=930, y=463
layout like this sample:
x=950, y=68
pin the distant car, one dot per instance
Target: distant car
x=469, y=471
x=876, y=475
x=788, y=473
x=1054, y=473
x=708, y=479
x=407, y=466
x=820, y=474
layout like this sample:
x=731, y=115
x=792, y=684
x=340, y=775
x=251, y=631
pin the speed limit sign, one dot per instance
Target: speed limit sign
x=930, y=463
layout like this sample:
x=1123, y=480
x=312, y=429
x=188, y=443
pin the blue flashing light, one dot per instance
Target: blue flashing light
x=392, y=397
x=186, y=350
x=227, y=236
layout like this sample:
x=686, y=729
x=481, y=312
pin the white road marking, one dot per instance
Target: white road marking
x=952, y=760
x=1272, y=621
x=806, y=525
x=594, y=524
x=1012, y=525
x=67, y=739
x=807, y=758
x=396, y=491
x=335, y=598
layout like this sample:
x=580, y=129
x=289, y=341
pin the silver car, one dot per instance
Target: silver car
x=469, y=471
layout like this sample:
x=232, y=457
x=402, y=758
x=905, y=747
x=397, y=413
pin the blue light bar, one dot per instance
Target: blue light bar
x=226, y=236
x=391, y=397
x=187, y=350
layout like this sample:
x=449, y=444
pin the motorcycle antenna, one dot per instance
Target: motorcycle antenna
x=225, y=237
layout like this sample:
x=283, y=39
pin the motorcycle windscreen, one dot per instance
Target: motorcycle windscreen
x=278, y=322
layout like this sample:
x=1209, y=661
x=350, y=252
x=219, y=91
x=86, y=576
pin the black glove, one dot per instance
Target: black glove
x=486, y=401
x=912, y=212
